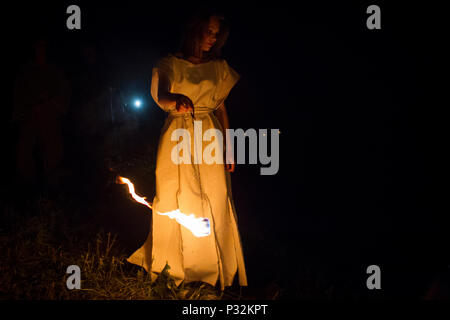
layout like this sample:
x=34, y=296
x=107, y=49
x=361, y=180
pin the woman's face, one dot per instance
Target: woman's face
x=210, y=34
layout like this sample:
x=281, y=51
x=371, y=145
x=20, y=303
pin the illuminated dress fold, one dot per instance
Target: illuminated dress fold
x=201, y=189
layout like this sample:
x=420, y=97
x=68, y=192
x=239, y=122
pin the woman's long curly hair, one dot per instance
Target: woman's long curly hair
x=194, y=30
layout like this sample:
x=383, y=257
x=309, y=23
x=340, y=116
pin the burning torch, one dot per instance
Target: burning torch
x=200, y=227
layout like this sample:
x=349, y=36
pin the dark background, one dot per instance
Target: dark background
x=361, y=124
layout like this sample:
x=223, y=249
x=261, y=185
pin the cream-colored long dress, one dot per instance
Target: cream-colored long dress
x=202, y=189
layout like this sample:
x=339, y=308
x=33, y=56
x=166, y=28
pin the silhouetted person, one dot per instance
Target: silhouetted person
x=89, y=116
x=41, y=96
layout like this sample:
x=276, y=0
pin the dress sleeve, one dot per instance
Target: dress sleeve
x=229, y=77
x=164, y=67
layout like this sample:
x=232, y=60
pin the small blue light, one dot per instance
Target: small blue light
x=137, y=103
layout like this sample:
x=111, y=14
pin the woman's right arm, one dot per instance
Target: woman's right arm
x=171, y=101
x=165, y=98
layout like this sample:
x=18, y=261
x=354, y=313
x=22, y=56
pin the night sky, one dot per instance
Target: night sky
x=361, y=138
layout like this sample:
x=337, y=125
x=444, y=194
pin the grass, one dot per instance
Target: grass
x=42, y=236
x=37, y=248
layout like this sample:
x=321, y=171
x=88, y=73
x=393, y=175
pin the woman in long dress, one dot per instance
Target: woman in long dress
x=191, y=86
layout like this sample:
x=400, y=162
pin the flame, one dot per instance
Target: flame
x=198, y=226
